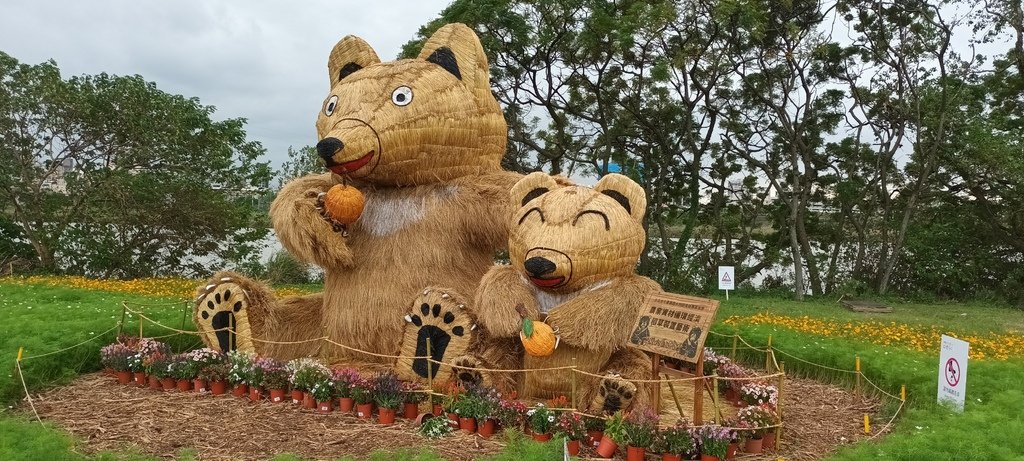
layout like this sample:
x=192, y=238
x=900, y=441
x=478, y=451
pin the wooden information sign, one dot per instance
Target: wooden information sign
x=675, y=326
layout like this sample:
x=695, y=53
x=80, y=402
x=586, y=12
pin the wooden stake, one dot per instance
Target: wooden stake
x=768, y=355
x=778, y=405
x=184, y=315
x=903, y=392
x=21, y=350
x=120, y=325
x=714, y=399
x=856, y=386
x=698, y=391
x=656, y=383
x=573, y=378
x=867, y=424
x=231, y=332
x=141, y=320
x=430, y=376
x=735, y=340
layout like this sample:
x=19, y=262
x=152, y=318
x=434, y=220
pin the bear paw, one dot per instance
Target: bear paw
x=438, y=322
x=614, y=394
x=463, y=369
x=221, y=315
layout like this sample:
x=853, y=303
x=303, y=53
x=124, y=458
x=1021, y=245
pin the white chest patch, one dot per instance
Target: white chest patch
x=547, y=302
x=387, y=213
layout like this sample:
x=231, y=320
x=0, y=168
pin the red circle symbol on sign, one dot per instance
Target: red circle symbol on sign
x=952, y=372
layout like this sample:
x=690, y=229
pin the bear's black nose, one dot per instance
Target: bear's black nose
x=538, y=266
x=327, y=147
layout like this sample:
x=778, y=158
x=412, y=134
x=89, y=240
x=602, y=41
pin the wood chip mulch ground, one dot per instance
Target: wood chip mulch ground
x=109, y=416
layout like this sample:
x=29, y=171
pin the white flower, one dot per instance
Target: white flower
x=530, y=412
x=551, y=419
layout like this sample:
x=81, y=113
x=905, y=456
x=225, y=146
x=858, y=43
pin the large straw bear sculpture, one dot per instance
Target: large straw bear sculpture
x=573, y=253
x=422, y=139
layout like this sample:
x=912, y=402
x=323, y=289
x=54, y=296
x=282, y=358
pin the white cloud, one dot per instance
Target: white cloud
x=261, y=60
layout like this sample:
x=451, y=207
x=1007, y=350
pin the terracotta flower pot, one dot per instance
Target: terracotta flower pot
x=541, y=437
x=277, y=395
x=635, y=453
x=154, y=383
x=467, y=425
x=754, y=446
x=671, y=457
x=167, y=383
x=324, y=407
x=240, y=390
x=486, y=430
x=768, y=442
x=386, y=416
x=574, y=447
x=594, y=438
x=139, y=379
x=199, y=385
x=296, y=396
x=184, y=385
x=218, y=387
x=346, y=404
x=730, y=451
x=437, y=410
x=123, y=377
x=364, y=410
x=410, y=410
x=731, y=395
x=308, y=402
x=255, y=394
x=606, y=449
x=453, y=420
x=704, y=457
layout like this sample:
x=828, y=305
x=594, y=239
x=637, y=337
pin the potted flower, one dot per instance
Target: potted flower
x=756, y=393
x=344, y=380
x=116, y=357
x=158, y=367
x=486, y=416
x=713, y=440
x=323, y=392
x=452, y=395
x=467, y=408
x=138, y=369
x=675, y=442
x=756, y=421
x=595, y=430
x=275, y=378
x=510, y=413
x=182, y=372
x=712, y=360
x=388, y=395
x=241, y=369
x=541, y=420
x=255, y=380
x=198, y=360
x=216, y=374
x=640, y=427
x=414, y=395
x=571, y=427
x=436, y=403
x=614, y=435
x=729, y=372
x=362, y=394
x=305, y=373
x=435, y=428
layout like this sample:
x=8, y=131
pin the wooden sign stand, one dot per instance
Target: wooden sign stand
x=699, y=385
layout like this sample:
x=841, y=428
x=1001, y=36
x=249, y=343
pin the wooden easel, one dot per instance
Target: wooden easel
x=699, y=385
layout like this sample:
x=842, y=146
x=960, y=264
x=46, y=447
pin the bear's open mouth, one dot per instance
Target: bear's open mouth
x=352, y=166
x=547, y=283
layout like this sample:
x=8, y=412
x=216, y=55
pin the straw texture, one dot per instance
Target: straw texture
x=428, y=137
x=573, y=254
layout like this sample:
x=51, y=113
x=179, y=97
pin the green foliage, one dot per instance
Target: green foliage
x=119, y=179
x=301, y=162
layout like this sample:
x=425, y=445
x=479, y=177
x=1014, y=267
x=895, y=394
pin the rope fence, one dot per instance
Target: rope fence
x=769, y=350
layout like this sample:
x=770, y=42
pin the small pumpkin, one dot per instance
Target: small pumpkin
x=344, y=203
x=538, y=338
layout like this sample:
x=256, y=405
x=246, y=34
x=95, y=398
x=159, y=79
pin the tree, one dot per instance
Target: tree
x=110, y=176
x=301, y=162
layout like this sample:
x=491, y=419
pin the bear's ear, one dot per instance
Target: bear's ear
x=628, y=193
x=530, y=187
x=456, y=48
x=349, y=55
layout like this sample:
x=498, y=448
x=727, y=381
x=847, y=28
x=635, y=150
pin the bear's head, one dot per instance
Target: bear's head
x=566, y=238
x=411, y=121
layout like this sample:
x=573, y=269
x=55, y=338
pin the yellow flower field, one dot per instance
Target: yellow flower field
x=995, y=346
x=159, y=287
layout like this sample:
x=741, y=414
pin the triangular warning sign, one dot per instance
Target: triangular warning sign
x=725, y=277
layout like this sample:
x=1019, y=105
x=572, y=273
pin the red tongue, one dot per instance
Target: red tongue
x=349, y=167
x=546, y=283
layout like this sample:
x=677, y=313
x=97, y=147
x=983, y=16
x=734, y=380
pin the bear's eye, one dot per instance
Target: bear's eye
x=607, y=225
x=529, y=212
x=331, y=104
x=402, y=96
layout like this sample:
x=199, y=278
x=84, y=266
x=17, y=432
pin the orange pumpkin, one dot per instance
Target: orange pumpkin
x=538, y=339
x=344, y=203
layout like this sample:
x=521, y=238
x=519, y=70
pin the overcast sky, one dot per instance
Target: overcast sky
x=265, y=61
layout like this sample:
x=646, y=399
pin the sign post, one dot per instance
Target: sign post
x=953, y=371
x=675, y=326
x=726, y=279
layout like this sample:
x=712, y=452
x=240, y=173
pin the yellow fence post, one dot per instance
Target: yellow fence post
x=714, y=399
x=21, y=350
x=768, y=355
x=120, y=325
x=856, y=386
x=903, y=393
x=141, y=320
x=867, y=424
x=778, y=405
x=573, y=378
x=735, y=340
x=430, y=376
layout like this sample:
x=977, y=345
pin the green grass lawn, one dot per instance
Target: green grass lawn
x=44, y=318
